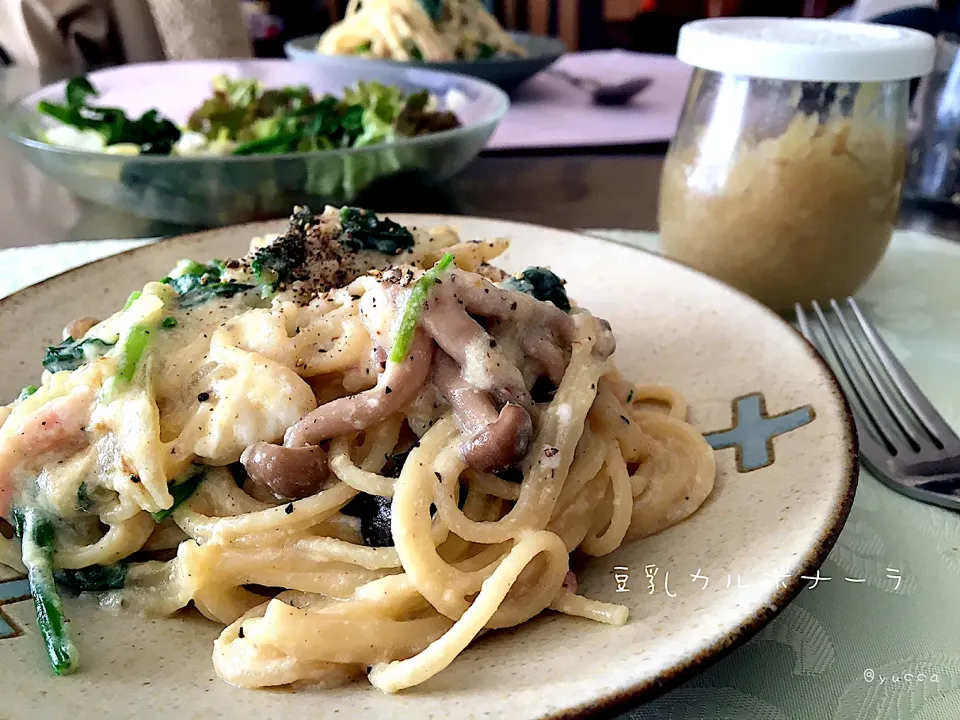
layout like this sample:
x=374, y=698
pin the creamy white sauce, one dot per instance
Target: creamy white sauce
x=476, y=366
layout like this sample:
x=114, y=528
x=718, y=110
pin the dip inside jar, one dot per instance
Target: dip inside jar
x=804, y=216
x=787, y=189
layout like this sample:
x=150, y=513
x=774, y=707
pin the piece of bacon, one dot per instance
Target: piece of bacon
x=57, y=426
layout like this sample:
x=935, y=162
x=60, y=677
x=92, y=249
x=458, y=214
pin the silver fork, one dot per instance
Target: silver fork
x=904, y=441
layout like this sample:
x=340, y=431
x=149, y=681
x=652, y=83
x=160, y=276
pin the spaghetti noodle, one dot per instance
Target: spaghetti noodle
x=433, y=31
x=347, y=490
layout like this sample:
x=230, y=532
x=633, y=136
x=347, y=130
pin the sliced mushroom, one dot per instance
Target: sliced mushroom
x=545, y=329
x=497, y=440
x=474, y=408
x=606, y=343
x=289, y=473
x=501, y=444
x=542, y=349
x=396, y=387
x=481, y=359
x=481, y=297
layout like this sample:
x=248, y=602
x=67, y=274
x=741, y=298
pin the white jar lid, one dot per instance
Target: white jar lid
x=806, y=50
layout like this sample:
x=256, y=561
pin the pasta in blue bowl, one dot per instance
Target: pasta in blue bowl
x=451, y=35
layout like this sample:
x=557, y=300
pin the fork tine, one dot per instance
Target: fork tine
x=867, y=429
x=926, y=413
x=935, y=478
x=887, y=429
x=913, y=431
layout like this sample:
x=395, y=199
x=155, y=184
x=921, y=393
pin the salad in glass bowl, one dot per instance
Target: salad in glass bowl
x=219, y=142
x=242, y=117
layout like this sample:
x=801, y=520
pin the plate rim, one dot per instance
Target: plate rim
x=617, y=701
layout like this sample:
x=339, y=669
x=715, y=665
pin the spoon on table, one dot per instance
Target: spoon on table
x=606, y=94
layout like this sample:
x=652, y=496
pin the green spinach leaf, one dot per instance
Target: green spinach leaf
x=94, y=578
x=196, y=283
x=542, y=284
x=71, y=354
x=153, y=134
x=362, y=230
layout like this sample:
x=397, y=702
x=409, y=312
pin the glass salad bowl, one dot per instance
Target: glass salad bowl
x=202, y=186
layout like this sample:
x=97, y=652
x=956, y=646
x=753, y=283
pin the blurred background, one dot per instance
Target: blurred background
x=558, y=155
x=99, y=32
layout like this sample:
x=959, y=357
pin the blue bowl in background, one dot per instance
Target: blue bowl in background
x=506, y=73
x=222, y=190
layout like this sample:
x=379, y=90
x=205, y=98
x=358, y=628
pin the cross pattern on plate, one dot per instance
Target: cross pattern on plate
x=11, y=591
x=753, y=431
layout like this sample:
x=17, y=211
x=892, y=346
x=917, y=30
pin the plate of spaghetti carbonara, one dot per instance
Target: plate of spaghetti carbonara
x=391, y=461
x=453, y=35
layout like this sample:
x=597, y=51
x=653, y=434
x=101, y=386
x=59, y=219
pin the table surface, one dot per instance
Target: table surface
x=841, y=650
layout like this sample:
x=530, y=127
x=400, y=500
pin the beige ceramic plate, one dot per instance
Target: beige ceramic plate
x=787, y=467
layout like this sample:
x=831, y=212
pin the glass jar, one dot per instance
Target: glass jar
x=785, y=176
